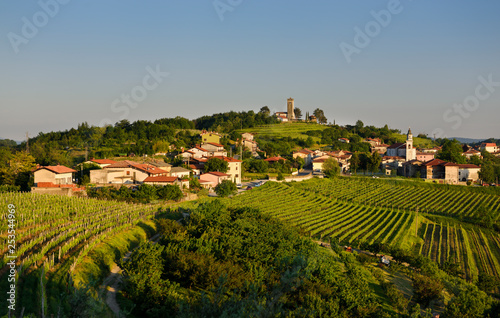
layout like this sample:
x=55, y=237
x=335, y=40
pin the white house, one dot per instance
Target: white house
x=53, y=175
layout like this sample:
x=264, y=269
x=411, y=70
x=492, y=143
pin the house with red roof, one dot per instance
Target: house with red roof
x=212, y=179
x=274, y=159
x=305, y=154
x=48, y=176
x=101, y=162
x=344, y=140
x=214, y=149
x=125, y=172
x=440, y=170
x=234, y=168
x=468, y=172
x=472, y=152
x=490, y=147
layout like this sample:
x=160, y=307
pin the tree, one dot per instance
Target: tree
x=216, y=164
x=226, y=188
x=487, y=173
x=470, y=302
x=355, y=161
x=331, y=168
x=17, y=170
x=265, y=110
x=320, y=116
x=426, y=289
x=452, y=152
x=374, y=162
x=297, y=112
x=487, y=283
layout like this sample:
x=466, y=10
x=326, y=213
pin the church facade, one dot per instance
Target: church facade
x=404, y=150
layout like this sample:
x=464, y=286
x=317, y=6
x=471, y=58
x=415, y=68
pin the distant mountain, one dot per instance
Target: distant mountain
x=467, y=140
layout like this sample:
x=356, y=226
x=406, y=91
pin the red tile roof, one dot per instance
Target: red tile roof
x=161, y=179
x=396, y=145
x=468, y=166
x=103, y=161
x=149, y=169
x=227, y=159
x=273, y=159
x=214, y=144
x=488, y=144
x=218, y=174
x=57, y=169
x=439, y=162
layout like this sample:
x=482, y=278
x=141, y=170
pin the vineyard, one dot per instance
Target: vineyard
x=52, y=236
x=360, y=211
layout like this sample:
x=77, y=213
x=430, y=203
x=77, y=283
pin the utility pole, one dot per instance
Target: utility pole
x=27, y=142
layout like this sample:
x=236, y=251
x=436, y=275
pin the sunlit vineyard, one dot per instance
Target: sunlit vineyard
x=357, y=211
x=53, y=234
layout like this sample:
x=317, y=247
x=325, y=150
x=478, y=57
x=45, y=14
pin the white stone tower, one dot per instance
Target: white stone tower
x=289, y=106
x=411, y=153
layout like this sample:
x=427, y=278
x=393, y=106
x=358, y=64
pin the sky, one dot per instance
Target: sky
x=429, y=65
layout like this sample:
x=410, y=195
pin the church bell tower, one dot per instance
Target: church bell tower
x=290, y=113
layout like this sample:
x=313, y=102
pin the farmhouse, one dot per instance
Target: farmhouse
x=468, y=172
x=53, y=175
x=305, y=154
x=125, y=172
x=179, y=172
x=441, y=170
x=489, y=147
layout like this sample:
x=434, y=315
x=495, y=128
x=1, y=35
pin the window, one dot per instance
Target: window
x=128, y=173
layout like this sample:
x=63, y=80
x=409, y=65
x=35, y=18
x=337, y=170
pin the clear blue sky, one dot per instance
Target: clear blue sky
x=427, y=58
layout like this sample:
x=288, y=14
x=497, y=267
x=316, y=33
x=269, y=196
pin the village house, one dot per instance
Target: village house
x=313, y=119
x=344, y=140
x=425, y=156
x=440, y=170
x=212, y=179
x=196, y=168
x=101, y=162
x=163, y=180
x=274, y=159
x=489, y=147
x=161, y=165
x=214, y=149
x=250, y=145
x=56, y=180
x=472, y=152
x=53, y=175
x=392, y=162
x=247, y=136
x=317, y=163
x=210, y=136
x=125, y=172
x=468, y=172
x=234, y=168
x=380, y=149
x=180, y=172
x=433, y=150
x=305, y=154
x=198, y=152
x=412, y=168
x=373, y=141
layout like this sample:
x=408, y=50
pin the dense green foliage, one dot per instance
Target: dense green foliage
x=236, y=262
x=144, y=193
x=226, y=188
x=216, y=164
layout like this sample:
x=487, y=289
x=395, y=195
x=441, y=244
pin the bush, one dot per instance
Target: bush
x=426, y=289
x=226, y=188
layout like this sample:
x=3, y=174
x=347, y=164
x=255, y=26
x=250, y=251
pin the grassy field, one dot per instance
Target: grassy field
x=295, y=130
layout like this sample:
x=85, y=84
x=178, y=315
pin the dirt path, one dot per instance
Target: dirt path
x=113, y=282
